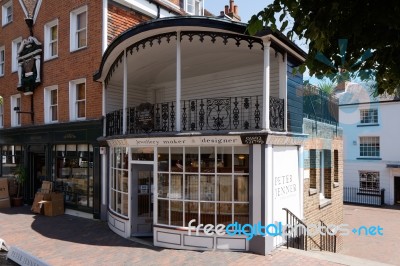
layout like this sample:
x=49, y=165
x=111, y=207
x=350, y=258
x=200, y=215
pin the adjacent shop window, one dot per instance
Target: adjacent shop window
x=7, y=13
x=51, y=40
x=73, y=173
x=51, y=104
x=14, y=53
x=119, y=181
x=369, y=147
x=369, y=116
x=15, y=107
x=2, y=60
x=208, y=184
x=369, y=181
x=1, y=112
x=78, y=28
x=11, y=157
x=77, y=94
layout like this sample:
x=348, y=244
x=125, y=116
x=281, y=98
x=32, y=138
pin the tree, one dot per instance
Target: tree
x=355, y=39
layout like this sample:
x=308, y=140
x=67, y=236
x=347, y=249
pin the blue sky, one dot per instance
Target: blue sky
x=247, y=8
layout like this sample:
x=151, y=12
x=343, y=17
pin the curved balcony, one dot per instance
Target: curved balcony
x=209, y=114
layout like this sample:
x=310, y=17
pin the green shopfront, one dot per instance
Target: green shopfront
x=66, y=154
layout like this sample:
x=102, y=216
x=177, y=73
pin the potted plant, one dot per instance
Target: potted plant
x=20, y=175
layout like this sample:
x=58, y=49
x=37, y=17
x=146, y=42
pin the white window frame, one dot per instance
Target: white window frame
x=2, y=60
x=73, y=108
x=1, y=112
x=369, y=114
x=5, y=19
x=73, y=28
x=374, y=178
x=195, y=4
x=48, y=106
x=15, y=101
x=48, y=41
x=15, y=45
x=369, y=140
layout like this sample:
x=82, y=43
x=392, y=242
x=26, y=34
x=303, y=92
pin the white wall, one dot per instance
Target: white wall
x=388, y=131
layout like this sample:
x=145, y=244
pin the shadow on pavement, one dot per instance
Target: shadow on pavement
x=75, y=229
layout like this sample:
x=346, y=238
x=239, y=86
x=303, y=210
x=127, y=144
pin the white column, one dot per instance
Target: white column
x=269, y=196
x=301, y=180
x=283, y=84
x=104, y=104
x=178, y=82
x=266, y=84
x=125, y=94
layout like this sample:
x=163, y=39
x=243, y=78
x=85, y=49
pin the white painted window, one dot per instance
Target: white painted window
x=14, y=53
x=369, y=181
x=78, y=28
x=369, y=147
x=1, y=112
x=194, y=7
x=2, y=60
x=15, y=107
x=7, y=13
x=369, y=116
x=51, y=104
x=77, y=96
x=51, y=40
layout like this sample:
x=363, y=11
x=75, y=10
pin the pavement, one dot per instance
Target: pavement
x=71, y=240
x=383, y=248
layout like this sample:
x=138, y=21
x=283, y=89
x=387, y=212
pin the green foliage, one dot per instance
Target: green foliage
x=20, y=175
x=327, y=87
x=366, y=25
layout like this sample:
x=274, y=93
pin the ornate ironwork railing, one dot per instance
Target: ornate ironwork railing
x=296, y=231
x=227, y=113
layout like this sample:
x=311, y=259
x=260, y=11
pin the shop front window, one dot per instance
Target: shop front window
x=11, y=157
x=73, y=173
x=119, y=181
x=208, y=184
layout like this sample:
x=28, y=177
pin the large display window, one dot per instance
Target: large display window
x=73, y=173
x=208, y=184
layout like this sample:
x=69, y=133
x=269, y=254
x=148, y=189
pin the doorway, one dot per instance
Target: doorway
x=37, y=170
x=142, y=200
x=397, y=190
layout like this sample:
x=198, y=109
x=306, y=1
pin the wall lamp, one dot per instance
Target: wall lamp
x=17, y=109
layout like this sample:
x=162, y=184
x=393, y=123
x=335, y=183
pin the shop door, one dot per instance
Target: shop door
x=142, y=200
x=397, y=190
x=37, y=173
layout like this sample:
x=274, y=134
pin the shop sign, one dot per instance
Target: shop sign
x=145, y=117
x=184, y=141
x=253, y=139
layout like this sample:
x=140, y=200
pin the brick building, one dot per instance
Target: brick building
x=50, y=107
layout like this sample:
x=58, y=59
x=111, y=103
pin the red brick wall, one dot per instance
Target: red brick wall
x=313, y=211
x=121, y=19
x=59, y=71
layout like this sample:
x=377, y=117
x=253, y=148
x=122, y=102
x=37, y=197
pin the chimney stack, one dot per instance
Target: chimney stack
x=232, y=11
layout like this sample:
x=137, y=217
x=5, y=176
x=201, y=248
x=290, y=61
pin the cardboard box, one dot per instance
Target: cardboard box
x=47, y=187
x=36, y=205
x=4, y=188
x=5, y=203
x=53, y=208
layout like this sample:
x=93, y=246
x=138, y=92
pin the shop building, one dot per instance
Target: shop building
x=50, y=107
x=204, y=125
